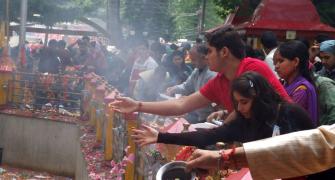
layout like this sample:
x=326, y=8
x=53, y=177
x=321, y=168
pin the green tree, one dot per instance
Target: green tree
x=51, y=11
x=326, y=9
x=149, y=16
x=186, y=17
x=175, y=18
x=185, y=13
x=224, y=7
x=212, y=18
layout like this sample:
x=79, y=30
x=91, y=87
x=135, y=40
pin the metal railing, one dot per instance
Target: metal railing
x=45, y=92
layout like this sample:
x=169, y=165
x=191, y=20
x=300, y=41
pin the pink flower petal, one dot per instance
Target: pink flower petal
x=115, y=170
x=113, y=163
x=122, y=171
x=131, y=158
x=124, y=163
x=127, y=149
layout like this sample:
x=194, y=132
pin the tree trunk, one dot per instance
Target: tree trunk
x=113, y=21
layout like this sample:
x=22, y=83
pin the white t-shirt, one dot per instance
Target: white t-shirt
x=269, y=60
x=141, y=66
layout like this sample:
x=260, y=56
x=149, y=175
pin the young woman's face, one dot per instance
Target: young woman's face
x=178, y=61
x=243, y=104
x=284, y=67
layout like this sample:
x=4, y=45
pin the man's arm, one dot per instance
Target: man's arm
x=292, y=155
x=176, y=106
x=187, y=87
x=165, y=108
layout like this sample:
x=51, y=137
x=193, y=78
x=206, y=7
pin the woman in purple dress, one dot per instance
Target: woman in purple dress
x=291, y=64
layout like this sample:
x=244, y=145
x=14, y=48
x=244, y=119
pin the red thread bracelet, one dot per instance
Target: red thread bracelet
x=227, y=156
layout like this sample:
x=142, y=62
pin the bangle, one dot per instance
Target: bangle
x=227, y=156
x=234, y=161
x=223, y=158
x=233, y=156
x=139, y=105
x=219, y=162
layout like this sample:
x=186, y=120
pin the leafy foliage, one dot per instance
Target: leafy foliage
x=212, y=19
x=224, y=7
x=186, y=17
x=52, y=11
x=176, y=18
x=326, y=9
x=149, y=16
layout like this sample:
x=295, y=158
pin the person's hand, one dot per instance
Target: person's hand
x=216, y=115
x=170, y=90
x=203, y=159
x=147, y=135
x=125, y=105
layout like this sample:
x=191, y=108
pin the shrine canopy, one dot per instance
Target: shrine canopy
x=287, y=18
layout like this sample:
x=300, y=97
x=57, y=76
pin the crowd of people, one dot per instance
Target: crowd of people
x=56, y=56
x=278, y=95
x=288, y=87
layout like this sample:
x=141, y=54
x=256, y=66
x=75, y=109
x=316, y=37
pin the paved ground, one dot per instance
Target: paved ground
x=10, y=173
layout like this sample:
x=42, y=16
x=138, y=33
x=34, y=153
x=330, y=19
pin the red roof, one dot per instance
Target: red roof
x=282, y=15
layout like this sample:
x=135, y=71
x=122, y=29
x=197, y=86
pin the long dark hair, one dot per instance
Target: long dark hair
x=181, y=54
x=265, y=98
x=297, y=49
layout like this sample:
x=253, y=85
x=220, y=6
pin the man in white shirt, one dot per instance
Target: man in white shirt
x=269, y=42
x=142, y=63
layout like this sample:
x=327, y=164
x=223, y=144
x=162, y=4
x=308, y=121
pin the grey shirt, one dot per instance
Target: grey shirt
x=326, y=73
x=194, y=82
